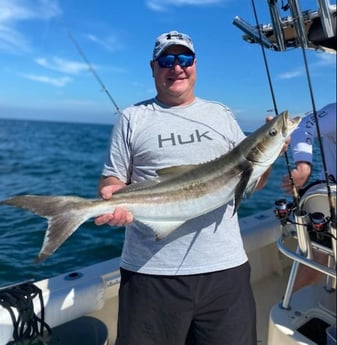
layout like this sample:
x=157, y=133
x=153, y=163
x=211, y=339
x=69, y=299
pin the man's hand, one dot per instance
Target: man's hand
x=300, y=176
x=120, y=216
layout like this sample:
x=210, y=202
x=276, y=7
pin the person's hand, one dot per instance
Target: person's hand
x=120, y=216
x=286, y=184
x=300, y=176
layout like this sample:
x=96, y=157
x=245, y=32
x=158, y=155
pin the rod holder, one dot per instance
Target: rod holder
x=333, y=239
x=304, y=242
x=277, y=24
x=252, y=32
x=326, y=18
x=298, y=23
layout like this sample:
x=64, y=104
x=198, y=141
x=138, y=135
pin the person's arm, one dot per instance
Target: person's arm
x=107, y=186
x=300, y=176
x=303, y=139
x=301, y=149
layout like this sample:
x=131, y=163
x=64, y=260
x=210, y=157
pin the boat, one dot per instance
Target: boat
x=81, y=307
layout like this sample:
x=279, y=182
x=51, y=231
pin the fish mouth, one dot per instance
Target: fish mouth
x=289, y=124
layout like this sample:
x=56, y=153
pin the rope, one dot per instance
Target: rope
x=28, y=328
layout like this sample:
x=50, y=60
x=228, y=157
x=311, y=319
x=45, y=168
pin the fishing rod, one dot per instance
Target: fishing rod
x=303, y=45
x=300, y=32
x=91, y=68
x=271, y=88
x=318, y=222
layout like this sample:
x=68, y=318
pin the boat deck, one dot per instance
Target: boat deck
x=267, y=292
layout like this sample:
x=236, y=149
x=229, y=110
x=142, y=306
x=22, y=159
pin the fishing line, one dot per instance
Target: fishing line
x=91, y=68
x=292, y=184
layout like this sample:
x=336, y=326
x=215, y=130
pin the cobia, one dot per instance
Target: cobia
x=178, y=193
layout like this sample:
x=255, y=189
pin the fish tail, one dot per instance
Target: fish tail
x=64, y=213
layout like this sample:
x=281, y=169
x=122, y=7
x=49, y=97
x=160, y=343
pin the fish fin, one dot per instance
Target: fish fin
x=63, y=213
x=163, y=229
x=251, y=188
x=241, y=186
x=176, y=170
x=163, y=174
x=133, y=187
x=60, y=228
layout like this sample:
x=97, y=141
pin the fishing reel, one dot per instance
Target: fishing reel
x=282, y=210
x=319, y=222
x=319, y=228
x=316, y=224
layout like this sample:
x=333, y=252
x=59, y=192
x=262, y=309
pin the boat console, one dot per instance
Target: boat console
x=307, y=316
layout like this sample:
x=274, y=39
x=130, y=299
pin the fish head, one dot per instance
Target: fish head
x=265, y=145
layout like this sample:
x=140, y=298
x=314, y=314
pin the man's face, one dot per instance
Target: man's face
x=175, y=85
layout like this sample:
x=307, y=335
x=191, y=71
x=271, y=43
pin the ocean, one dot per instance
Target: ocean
x=53, y=158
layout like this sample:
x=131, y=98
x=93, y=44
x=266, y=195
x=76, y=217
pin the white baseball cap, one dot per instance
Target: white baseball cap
x=169, y=39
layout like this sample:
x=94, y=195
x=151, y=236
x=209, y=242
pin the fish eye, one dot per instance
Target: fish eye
x=273, y=132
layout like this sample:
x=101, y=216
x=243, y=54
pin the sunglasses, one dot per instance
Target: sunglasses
x=168, y=60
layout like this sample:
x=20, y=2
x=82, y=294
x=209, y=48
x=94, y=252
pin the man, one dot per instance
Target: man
x=191, y=287
x=302, y=141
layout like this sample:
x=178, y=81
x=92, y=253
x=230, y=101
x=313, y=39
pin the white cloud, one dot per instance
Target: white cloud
x=17, y=10
x=326, y=59
x=12, y=12
x=321, y=60
x=291, y=74
x=59, y=82
x=61, y=65
x=110, y=43
x=11, y=40
x=161, y=5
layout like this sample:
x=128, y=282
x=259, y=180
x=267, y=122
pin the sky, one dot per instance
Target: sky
x=44, y=45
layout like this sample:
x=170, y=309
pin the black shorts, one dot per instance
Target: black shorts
x=215, y=308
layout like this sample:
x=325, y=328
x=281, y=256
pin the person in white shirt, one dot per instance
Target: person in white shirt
x=302, y=141
x=193, y=287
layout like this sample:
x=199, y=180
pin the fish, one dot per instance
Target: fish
x=176, y=195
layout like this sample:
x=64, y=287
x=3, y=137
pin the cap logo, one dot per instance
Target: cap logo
x=170, y=38
x=179, y=36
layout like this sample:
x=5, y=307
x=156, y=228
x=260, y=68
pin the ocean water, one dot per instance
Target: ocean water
x=66, y=159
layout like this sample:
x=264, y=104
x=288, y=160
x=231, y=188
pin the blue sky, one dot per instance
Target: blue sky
x=43, y=76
